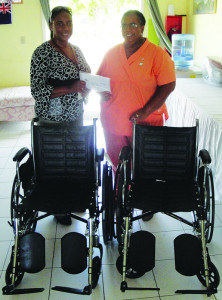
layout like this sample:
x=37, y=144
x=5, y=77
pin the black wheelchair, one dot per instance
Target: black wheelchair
x=162, y=173
x=60, y=176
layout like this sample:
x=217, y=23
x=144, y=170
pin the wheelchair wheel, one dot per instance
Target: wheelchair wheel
x=119, y=208
x=19, y=273
x=96, y=270
x=108, y=204
x=130, y=273
x=26, y=223
x=207, y=196
x=121, y=203
x=214, y=277
x=210, y=207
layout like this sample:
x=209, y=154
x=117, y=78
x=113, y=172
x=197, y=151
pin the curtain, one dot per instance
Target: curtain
x=46, y=9
x=158, y=25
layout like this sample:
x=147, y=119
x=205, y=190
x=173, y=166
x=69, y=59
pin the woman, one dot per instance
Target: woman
x=55, y=67
x=142, y=77
x=55, y=84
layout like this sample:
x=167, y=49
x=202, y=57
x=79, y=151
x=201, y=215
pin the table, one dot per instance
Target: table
x=193, y=99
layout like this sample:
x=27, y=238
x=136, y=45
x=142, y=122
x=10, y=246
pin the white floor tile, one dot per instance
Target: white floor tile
x=5, y=190
x=14, y=136
x=3, y=162
x=112, y=281
x=218, y=296
x=218, y=211
x=165, y=244
x=7, y=175
x=215, y=246
x=6, y=143
x=49, y=252
x=161, y=222
x=5, y=152
x=110, y=252
x=79, y=281
x=217, y=221
x=47, y=227
x=5, y=208
x=175, y=281
x=57, y=254
x=37, y=280
x=188, y=297
x=76, y=226
x=217, y=261
x=12, y=127
x=6, y=233
x=4, y=246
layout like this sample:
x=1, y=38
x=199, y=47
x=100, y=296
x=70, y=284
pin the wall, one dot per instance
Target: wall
x=18, y=41
x=180, y=9
x=207, y=30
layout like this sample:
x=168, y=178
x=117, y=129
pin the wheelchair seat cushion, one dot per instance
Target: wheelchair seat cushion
x=63, y=197
x=164, y=196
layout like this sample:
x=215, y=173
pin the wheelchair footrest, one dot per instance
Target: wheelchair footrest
x=74, y=253
x=86, y=291
x=188, y=254
x=141, y=252
x=32, y=252
x=9, y=290
x=124, y=287
x=196, y=292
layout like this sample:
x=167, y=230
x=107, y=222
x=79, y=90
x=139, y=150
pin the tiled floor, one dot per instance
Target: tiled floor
x=13, y=136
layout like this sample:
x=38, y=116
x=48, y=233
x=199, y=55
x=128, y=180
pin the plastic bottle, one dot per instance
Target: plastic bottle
x=183, y=50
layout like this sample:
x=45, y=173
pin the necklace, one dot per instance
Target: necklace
x=65, y=54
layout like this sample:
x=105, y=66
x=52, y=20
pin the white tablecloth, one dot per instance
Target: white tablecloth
x=194, y=99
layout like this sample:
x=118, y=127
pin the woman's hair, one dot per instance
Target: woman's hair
x=56, y=11
x=138, y=14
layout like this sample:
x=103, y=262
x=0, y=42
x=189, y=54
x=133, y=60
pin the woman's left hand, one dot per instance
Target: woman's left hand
x=85, y=92
x=140, y=114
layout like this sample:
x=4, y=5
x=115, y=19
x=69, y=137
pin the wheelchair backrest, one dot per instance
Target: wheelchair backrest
x=63, y=152
x=164, y=153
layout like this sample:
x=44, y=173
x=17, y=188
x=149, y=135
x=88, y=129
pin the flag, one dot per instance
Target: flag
x=5, y=12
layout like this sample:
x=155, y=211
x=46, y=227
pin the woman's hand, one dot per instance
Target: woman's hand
x=79, y=86
x=105, y=96
x=140, y=114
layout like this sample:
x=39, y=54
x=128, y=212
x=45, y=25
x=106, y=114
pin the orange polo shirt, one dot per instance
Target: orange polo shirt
x=133, y=82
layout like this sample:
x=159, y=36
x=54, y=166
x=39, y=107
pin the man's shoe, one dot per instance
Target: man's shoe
x=64, y=220
x=147, y=218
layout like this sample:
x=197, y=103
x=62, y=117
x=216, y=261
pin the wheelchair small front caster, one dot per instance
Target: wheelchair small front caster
x=123, y=286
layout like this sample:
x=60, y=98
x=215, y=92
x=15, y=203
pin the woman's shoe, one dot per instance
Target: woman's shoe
x=147, y=218
x=64, y=220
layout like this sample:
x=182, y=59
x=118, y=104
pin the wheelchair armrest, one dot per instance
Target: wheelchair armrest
x=205, y=156
x=125, y=153
x=99, y=154
x=21, y=154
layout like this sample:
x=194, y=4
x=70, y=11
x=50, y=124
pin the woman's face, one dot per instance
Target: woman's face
x=61, y=27
x=132, y=31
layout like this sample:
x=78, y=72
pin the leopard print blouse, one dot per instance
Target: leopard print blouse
x=47, y=63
